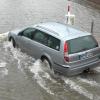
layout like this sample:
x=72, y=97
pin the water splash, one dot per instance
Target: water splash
x=7, y=45
x=14, y=51
x=26, y=60
x=39, y=74
x=97, y=69
x=4, y=36
x=90, y=82
x=3, y=69
x=3, y=64
x=78, y=88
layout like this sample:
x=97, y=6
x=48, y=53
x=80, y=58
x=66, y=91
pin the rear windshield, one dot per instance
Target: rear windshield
x=81, y=44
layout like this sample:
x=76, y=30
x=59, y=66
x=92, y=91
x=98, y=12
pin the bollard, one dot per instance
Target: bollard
x=70, y=18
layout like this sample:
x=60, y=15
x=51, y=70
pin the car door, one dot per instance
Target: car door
x=25, y=40
x=47, y=45
x=40, y=41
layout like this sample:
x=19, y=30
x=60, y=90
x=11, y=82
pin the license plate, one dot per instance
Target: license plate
x=86, y=55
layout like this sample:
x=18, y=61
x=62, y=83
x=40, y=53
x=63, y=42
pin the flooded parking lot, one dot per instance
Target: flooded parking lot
x=24, y=78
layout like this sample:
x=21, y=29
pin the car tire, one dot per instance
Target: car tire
x=47, y=63
x=13, y=42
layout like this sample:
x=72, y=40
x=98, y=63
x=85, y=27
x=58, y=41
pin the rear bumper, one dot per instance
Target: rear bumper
x=80, y=69
x=69, y=70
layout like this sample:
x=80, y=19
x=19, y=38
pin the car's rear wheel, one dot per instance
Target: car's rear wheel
x=13, y=42
x=47, y=64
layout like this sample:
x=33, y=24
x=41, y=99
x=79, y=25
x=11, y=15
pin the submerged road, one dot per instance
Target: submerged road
x=24, y=78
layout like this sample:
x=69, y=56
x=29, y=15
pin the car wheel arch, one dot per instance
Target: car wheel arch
x=13, y=41
x=10, y=38
x=47, y=57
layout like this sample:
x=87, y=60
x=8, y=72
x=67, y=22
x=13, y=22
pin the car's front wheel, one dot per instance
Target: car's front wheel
x=13, y=42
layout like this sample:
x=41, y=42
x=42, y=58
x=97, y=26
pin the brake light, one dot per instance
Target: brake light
x=66, y=52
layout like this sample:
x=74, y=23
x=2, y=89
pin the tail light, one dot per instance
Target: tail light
x=66, y=52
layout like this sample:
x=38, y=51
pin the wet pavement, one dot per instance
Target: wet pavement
x=24, y=78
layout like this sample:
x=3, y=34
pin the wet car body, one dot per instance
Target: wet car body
x=68, y=51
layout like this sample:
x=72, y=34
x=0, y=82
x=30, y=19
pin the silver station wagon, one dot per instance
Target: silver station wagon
x=68, y=51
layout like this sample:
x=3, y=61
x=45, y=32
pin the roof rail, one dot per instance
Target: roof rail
x=47, y=29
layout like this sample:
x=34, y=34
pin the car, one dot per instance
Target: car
x=67, y=50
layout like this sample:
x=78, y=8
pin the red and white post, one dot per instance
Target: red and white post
x=70, y=18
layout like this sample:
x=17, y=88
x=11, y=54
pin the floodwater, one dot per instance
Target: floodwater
x=24, y=78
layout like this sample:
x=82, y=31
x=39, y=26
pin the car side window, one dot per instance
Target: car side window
x=54, y=43
x=47, y=40
x=40, y=37
x=29, y=32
